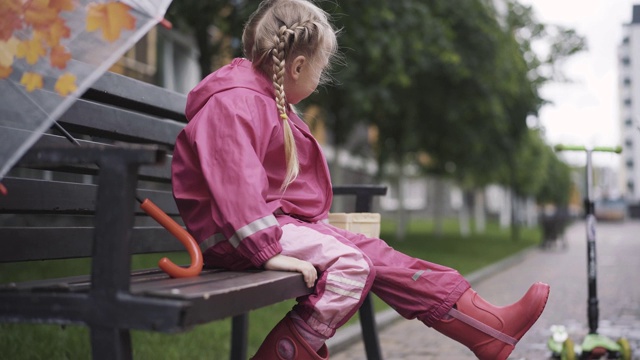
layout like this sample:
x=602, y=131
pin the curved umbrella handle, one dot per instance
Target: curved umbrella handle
x=181, y=234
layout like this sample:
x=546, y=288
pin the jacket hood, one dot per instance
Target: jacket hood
x=238, y=74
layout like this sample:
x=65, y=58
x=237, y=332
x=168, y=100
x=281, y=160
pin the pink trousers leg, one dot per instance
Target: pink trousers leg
x=415, y=288
x=352, y=264
x=345, y=274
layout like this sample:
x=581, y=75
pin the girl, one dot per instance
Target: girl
x=252, y=184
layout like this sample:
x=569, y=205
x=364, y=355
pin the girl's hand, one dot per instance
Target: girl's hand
x=288, y=263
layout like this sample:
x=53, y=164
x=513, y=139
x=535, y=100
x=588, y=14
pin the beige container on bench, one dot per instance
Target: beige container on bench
x=362, y=223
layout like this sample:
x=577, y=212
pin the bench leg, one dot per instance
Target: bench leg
x=239, y=332
x=369, y=330
x=110, y=343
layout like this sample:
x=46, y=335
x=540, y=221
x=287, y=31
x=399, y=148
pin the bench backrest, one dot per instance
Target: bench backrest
x=47, y=214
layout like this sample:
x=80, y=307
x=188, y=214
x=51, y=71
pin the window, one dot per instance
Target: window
x=140, y=62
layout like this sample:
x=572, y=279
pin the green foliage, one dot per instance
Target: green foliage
x=558, y=185
x=532, y=153
x=216, y=26
x=455, y=80
x=465, y=114
x=384, y=44
x=537, y=171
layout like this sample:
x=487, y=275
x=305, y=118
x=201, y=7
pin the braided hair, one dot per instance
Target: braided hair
x=279, y=31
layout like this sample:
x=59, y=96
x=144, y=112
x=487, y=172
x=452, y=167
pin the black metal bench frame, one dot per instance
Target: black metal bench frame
x=127, y=128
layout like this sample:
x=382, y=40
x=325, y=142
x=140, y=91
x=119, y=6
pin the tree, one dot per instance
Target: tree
x=556, y=189
x=448, y=78
x=384, y=44
x=216, y=26
x=532, y=153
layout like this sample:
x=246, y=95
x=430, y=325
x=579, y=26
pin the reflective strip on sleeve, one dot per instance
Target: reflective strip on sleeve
x=212, y=240
x=252, y=228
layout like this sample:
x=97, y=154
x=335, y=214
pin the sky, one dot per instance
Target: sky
x=585, y=111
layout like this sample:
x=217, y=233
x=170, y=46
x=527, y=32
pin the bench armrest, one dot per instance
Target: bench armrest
x=364, y=194
x=114, y=219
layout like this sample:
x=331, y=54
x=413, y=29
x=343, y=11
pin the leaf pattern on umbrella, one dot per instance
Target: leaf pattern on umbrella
x=111, y=18
x=36, y=29
x=48, y=58
x=31, y=81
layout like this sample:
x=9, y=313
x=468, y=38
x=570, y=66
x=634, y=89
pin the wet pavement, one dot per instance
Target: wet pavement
x=564, y=268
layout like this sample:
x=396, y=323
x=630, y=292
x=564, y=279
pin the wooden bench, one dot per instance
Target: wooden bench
x=69, y=201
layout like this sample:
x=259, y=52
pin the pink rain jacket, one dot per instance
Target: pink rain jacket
x=229, y=164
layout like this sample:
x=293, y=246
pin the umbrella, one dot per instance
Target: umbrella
x=51, y=51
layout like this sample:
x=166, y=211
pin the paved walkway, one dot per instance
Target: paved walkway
x=564, y=268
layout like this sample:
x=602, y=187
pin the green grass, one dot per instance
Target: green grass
x=211, y=341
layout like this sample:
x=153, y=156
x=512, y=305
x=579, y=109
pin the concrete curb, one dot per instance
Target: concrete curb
x=348, y=335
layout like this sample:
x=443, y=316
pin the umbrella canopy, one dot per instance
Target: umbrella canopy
x=51, y=51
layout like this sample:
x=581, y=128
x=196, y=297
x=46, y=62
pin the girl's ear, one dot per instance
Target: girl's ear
x=296, y=67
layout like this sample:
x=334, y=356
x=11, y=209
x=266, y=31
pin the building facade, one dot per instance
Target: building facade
x=629, y=102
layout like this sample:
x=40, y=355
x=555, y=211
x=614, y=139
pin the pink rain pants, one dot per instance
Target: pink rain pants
x=350, y=265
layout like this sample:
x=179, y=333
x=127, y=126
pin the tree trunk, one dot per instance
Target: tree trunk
x=515, y=229
x=505, y=209
x=206, y=49
x=439, y=205
x=463, y=219
x=479, y=211
x=401, y=212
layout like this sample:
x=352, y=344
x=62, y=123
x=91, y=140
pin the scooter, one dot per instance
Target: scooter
x=594, y=345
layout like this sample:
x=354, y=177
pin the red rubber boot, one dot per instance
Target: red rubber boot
x=285, y=343
x=492, y=332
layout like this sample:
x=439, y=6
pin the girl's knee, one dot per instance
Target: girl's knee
x=355, y=268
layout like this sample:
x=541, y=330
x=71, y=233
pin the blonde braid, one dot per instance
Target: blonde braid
x=279, y=31
x=291, y=152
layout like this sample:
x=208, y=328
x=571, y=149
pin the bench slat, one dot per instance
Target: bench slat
x=119, y=124
x=158, y=282
x=262, y=289
x=122, y=91
x=57, y=197
x=145, y=278
x=159, y=172
x=245, y=292
x=208, y=287
x=26, y=243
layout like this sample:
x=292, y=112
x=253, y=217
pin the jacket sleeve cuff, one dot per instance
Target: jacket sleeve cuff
x=265, y=254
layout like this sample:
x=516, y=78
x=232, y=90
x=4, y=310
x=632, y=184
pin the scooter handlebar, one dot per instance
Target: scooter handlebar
x=616, y=149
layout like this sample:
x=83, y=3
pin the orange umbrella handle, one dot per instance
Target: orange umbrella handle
x=181, y=234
